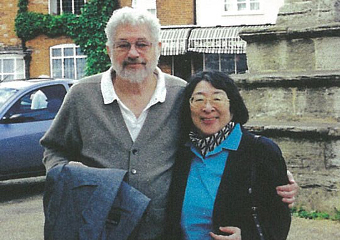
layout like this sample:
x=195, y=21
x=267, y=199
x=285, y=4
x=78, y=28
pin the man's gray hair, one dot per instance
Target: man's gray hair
x=130, y=16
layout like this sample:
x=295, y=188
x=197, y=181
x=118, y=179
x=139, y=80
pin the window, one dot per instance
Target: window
x=37, y=105
x=67, y=61
x=228, y=63
x=11, y=67
x=5, y=94
x=149, y=5
x=58, y=7
x=241, y=6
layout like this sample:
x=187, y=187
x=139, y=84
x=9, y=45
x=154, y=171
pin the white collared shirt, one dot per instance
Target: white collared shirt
x=133, y=124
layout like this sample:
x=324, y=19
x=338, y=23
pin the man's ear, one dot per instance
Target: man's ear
x=159, y=46
x=108, y=51
x=159, y=49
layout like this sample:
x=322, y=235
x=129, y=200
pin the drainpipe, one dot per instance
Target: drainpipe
x=27, y=59
x=194, y=13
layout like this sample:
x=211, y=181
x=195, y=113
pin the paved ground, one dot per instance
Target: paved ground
x=23, y=220
x=305, y=229
x=21, y=216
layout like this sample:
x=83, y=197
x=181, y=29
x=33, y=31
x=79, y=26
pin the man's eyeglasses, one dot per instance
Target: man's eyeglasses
x=216, y=100
x=124, y=46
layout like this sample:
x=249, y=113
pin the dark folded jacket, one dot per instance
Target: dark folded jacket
x=90, y=203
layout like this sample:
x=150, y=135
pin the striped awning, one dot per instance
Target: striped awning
x=174, y=41
x=217, y=40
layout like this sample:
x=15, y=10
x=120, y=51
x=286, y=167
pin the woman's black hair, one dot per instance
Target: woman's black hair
x=221, y=81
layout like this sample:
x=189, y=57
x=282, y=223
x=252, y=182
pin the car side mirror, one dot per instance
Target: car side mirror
x=4, y=120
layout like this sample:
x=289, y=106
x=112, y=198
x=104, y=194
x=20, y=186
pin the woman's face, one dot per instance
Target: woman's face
x=209, y=108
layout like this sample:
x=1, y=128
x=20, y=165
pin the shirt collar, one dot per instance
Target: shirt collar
x=233, y=140
x=231, y=143
x=109, y=93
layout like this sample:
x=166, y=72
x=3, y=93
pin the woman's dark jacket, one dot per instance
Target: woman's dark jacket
x=233, y=202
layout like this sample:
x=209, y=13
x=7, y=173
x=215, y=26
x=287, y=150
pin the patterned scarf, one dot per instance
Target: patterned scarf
x=207, y=144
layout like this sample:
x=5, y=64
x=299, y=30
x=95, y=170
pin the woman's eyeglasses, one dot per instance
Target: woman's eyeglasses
x=216, y=100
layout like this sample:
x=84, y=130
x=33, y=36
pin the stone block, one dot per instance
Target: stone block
x=293, y=104
x=300, y=55
x=315, y=166
x=260, y=57
x=327, y=53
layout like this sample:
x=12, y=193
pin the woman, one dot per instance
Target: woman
x=212, y=181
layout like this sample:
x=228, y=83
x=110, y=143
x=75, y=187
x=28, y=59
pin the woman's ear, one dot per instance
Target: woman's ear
x=231, y=116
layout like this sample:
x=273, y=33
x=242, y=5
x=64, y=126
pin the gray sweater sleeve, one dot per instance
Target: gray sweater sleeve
x=62, y=141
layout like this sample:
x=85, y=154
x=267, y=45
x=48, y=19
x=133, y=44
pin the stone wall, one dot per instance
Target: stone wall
x=315, y=163
x=294, y=50
x=300, y=112
x=293, y=93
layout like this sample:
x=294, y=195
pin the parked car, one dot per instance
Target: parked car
x=27, y=109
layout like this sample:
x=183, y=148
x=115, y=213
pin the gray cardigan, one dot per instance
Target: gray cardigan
x=87, y=130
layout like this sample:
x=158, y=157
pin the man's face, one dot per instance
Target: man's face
x=134, y=55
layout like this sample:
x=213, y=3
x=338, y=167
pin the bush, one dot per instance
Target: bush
x=301, y=212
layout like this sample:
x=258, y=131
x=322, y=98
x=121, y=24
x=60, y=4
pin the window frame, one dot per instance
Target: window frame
x=62, y=57
x=22, y=110
x=235, y=57
x=53, y=8
x=148, y=5
x=17, y=73
x=247, y=11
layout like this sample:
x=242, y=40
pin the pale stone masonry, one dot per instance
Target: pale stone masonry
x=292, y=90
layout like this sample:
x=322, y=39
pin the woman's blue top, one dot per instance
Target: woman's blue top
x=203, y=182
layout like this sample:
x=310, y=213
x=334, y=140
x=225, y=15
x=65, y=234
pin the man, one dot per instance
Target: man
x=126, y=117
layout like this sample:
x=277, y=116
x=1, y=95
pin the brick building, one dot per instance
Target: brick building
x=12, y=64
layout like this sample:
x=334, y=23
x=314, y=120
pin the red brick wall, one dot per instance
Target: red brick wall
x=175, y=12
x=8, y=37
x=124, y=3
x=40, y=47
x=39, y=6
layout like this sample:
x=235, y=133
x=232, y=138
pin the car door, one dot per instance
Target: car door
x=23, y=125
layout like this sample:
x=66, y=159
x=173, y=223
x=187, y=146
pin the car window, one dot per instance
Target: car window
x=5, y=94
x=37, y=105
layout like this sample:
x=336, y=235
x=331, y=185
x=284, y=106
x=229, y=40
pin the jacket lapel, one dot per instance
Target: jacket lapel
x=107, y=182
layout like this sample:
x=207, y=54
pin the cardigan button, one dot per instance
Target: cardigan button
x=134, y=151
x=133, y=171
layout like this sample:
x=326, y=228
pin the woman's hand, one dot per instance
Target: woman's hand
x=289, y=191
x=234, y=231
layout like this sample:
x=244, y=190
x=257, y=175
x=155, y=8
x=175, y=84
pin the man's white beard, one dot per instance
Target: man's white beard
x=134, y=75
